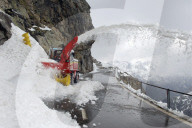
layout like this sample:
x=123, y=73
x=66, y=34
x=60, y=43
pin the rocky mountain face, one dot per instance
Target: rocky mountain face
x=51, y=22
x=5, y=27
x=83, y=54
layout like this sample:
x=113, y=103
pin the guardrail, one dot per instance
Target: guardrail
x=167, y=90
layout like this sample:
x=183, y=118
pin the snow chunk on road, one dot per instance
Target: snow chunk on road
x=83, y=92
x=46, y=87
x=80, y=93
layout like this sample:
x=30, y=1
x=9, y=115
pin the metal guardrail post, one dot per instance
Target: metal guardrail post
x=141, y=87
x=168, y=99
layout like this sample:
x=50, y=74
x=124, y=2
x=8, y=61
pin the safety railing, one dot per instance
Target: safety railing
x=166, y=89
x=168, y=92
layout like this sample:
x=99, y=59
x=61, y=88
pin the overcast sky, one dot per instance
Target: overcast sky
x=177, y=14
x=174, y=14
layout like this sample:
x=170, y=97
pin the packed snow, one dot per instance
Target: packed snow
x=25, y=83
x=31, y=29
x=80, y=93
x=45, y=28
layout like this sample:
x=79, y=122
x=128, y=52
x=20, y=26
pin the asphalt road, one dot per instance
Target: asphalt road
x=119, y=108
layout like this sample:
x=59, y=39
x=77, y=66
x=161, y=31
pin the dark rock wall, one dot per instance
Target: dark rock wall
x=66, y=18
x=83, y=54
x=5, y=28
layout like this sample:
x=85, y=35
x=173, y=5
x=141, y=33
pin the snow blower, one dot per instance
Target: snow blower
x=66, y=63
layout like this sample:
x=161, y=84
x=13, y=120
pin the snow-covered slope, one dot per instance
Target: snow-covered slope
x=20, y=107
x=25, y=83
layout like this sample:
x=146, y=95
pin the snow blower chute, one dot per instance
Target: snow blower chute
x=67, y=64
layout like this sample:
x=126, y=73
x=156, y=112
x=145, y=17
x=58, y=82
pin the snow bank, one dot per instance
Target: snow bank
x=13, y=54
x=80, y=93
x=24, y=83
x=20, y=107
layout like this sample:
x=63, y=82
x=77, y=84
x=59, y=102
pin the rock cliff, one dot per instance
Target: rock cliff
x=51, y=22
x=83, y=54
x=5, y=27
x=65, y=18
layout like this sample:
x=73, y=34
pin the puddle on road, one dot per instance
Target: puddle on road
x=91, y=108
x=120, y=108
x=67, y=105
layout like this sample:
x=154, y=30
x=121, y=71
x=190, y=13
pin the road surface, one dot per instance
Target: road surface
x=118, y=108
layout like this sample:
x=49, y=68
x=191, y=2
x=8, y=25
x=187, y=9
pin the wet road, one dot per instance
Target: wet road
x=118, y=108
